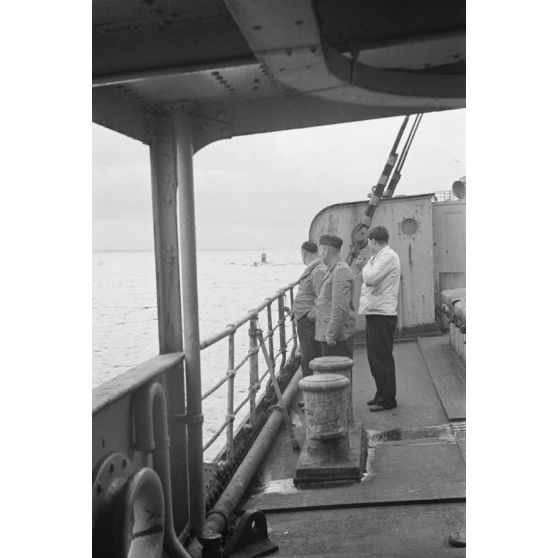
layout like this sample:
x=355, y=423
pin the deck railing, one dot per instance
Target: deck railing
x=445, y=195
x=277, y=340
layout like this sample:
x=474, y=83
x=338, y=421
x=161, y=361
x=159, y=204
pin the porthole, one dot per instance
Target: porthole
x=409, y=227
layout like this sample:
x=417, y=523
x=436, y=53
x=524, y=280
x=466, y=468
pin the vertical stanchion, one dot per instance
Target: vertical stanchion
x=270, y=329
x=190, y=329
x=282, y=336
x=254, y=379
x=230, y=402
x=293, y=321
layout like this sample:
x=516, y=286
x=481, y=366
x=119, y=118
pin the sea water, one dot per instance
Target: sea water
x=229, y=284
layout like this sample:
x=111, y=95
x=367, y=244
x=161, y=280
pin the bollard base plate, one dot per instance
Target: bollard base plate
x=313, y=468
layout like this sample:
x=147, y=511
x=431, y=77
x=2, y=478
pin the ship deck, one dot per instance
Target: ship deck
x=412, y=495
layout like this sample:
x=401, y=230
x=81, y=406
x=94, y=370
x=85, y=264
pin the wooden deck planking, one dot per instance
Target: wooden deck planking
x=413, y=494
x=448, y=374
x=416, y=531
x=415, y=472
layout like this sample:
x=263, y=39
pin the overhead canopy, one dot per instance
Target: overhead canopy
x=246, y=66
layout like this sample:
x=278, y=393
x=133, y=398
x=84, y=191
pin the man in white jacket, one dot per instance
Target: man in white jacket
x=378, y=301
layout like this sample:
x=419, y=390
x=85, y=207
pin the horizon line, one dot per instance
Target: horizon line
x=197, y=250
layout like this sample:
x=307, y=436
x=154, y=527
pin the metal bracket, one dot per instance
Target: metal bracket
x=208, y=128
x=250, y=538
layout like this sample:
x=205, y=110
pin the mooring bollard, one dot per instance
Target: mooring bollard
x=335, y=447
x=337, y=365
x=326, y=397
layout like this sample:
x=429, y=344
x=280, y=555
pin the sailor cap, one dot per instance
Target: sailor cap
x=309, y=246
x=330, y=240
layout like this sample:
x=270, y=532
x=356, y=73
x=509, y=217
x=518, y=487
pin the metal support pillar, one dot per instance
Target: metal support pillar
x=190, y=330
x=163, y=182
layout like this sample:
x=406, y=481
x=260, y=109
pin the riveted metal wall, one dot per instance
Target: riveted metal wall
x=409, y=222
x=113, y=423
x=448, y=225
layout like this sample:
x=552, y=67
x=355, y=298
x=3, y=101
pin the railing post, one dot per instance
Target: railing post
x=270, y=329
x=282, y=335
x=254, y=378
x=230, y=401
x=293, y=321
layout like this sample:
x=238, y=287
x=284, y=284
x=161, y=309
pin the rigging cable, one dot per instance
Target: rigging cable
x=397, y=172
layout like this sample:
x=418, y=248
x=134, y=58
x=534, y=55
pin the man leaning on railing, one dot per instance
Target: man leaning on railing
x=304, y=305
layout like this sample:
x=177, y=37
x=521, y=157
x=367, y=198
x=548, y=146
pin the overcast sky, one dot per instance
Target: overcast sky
x=262, y=191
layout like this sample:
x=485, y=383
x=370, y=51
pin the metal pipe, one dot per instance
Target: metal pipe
x=219, y=517
x=150, y=413
x=190, y=329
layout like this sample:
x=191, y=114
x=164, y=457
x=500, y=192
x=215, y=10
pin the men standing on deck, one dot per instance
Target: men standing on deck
x=335, y=314
x=378, y=302
x=304, y=310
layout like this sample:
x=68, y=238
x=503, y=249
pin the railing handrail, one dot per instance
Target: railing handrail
x=259, y=338
x=445, y=195
x=233, y=326
x=128, y=382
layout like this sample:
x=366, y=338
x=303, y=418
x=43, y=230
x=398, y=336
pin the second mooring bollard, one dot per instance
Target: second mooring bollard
x=337, y=365
x=326, y=397
x=335, y=447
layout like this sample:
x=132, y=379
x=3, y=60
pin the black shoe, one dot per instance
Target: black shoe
x=373, y=401
x=382, y=407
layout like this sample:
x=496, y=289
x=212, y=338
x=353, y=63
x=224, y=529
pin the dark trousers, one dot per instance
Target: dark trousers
x=379, y=345
x=341, y=348
x=309, y=348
